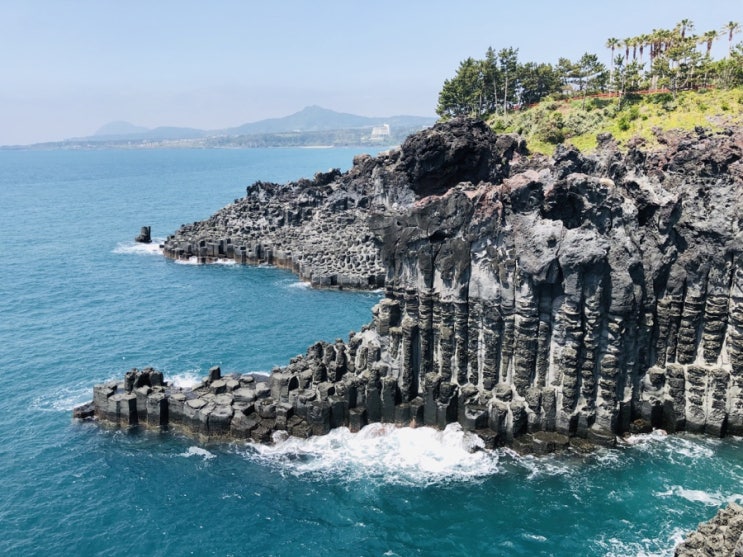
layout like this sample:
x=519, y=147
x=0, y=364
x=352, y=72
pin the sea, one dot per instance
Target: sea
x=81, y=303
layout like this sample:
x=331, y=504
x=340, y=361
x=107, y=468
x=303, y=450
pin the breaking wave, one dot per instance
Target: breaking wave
x=383, y=452
x=135, y=248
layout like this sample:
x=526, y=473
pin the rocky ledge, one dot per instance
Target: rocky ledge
x=586, y=296
x=722, y=535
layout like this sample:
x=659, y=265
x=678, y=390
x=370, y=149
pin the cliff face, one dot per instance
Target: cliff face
x=523, y=294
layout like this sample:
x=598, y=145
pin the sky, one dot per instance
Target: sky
x=67, y=67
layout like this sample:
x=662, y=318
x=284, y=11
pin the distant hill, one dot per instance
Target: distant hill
x=119, y=128
x=316, y=118
x=309, y=119
x=124, y=131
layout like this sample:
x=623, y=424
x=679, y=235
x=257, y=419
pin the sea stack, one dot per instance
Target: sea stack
x=144, y=236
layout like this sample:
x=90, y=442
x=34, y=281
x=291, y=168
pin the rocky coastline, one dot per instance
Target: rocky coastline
x=583, y=295
x=535, y=301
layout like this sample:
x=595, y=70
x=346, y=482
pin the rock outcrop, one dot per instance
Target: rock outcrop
x=721, y=536
x=581, y=295
x=144, y=236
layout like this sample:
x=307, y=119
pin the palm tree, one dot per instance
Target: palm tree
x=685, y=25
x=612, y=43
x=643, y=42
x=733, y=28
x=709, y=37
x=627, y=43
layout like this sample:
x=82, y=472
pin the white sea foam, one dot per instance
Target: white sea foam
x=694, y=448
x=712, y=499
x=645, y=438
x=385, y=452
x=657, y=547
x=137, y=248
x=185, y=380
x=677, y=448
x=62, y=399
x=193, y=260
x=539, y=466
x=298, y=284
x=198, y=451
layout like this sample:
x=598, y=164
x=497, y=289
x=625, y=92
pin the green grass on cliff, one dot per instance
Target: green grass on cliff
x=549, y=123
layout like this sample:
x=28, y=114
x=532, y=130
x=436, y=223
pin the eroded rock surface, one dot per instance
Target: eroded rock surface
x=721, y=536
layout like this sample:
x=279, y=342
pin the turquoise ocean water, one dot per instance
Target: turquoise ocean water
x=80, y=303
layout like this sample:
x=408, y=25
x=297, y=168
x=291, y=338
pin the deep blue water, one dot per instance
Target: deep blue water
x=80, y=304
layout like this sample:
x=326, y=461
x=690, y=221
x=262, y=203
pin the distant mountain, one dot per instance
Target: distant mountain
x=311, y=126
x=309, y=119
x=120, y=128
x=316, y=118
x=124, y=131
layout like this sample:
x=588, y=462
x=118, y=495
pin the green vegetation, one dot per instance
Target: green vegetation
x=552, y=122
x=664, y=79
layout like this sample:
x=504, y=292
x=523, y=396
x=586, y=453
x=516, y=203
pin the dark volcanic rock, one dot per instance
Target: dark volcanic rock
x=722, y=536
x=583, y=295
x=144, y=236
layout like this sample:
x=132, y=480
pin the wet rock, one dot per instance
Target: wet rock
x=722, y=536
x=144, y=236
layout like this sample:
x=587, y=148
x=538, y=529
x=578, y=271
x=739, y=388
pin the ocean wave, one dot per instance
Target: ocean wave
x=541, y=466
x=185, y=380
x=646, y=547
x=646, y=438
x=193, y=260
x=709, y=498
x=384, y=452
x=297, y=284
x=136, y=248
x=62, y=399
x=197, y=451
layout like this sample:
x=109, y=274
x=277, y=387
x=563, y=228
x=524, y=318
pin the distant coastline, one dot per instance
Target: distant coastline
x=313, y=126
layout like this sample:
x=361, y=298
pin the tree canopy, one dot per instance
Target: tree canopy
x=673, y=59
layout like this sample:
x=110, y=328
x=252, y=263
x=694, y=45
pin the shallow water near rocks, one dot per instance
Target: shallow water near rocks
x=81, y=303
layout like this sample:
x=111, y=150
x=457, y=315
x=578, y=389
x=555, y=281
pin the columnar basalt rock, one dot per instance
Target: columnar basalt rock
x=523, y=294
x=722, y=536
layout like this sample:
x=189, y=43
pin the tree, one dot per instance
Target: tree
x=732, y=28
x=463, y=94
x=709, y=37
x=508, y=65
x=536, y=81
x=612, y=43
x=628, y=78
x=627, y=43
x=685, y=25
x=492, y=79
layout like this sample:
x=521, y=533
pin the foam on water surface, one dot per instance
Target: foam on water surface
x=186, y=380
x=384, y=452
x=62, y=399
x=137, y=248
x=198, y=452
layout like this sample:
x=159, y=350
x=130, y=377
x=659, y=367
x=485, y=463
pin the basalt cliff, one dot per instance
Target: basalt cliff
x=574, y=296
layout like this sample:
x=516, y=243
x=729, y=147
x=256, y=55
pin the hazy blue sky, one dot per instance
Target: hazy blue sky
x=68, y=67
